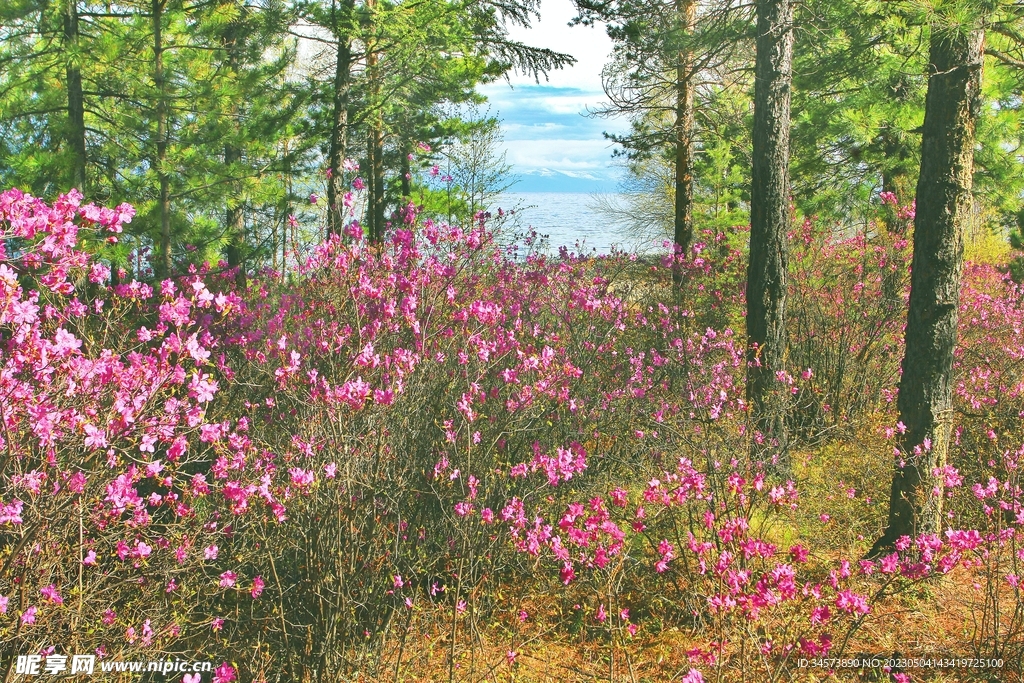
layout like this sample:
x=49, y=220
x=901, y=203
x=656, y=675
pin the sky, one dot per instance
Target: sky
x=550, y=142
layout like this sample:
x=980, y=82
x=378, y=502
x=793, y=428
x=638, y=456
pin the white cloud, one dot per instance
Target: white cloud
x=577, y=158
x=547, y=133
x=590, y=45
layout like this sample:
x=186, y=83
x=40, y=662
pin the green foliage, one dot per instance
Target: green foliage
x=239, y=126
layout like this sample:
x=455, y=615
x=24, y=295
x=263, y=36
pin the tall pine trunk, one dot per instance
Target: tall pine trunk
x=162, y=263
x=234, y=223
x=375, y=196
x=76, y=98
x=339, y=120
x=406, y=169
x=374, y=147
x=683, y=224
x=897, y=179
x=943, y=209
x=769, y=223
x=234, y=218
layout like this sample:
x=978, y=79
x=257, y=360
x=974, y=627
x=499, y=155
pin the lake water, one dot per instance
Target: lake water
x=570, y=219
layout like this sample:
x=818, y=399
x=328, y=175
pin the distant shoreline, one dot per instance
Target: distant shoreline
x=568, y=218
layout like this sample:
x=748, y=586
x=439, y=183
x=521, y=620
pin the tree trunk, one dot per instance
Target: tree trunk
x=234, y=218
x=943, y=208
x=339, y=122
x=162, y=263
x=683, y=227
x=374, y=148
x=76, y=99
x=375, y=197
x=896, y=178
x=285, y=219
x=234, y=223
x=406, y=170
x=769, y=223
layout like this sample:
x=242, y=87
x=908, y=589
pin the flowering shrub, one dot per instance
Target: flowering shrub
x=293, y=481
x=846, y=319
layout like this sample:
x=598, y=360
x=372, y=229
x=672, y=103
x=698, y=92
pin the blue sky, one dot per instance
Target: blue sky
x=551, y=144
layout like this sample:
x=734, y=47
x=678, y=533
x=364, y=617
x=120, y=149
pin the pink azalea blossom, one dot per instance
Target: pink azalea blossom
x=225, y=673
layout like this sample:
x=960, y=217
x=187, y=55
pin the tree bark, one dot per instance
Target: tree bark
x=374, y=148
x=375, y=196
x=769, y=223
x=683, y=224
x=234, y=218
x=896, y=178
x=162, y=263
x=339, y=122
x=234, y=223
x=406, y=170
x=943, y=208
x=76, y=99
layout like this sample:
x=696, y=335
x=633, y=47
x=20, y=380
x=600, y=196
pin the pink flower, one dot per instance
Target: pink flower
x=109, y=616
x=257, y=587
x=301, y=477
x=851, y=602
x=95, y=437
x=798, y=553
x=76, y=482
x=210, y=553
x=217, y=624
x=227, y=579
x=29, y=616
x=225, y=673
x=51, y=595
x=191, y=678
x=3, y=604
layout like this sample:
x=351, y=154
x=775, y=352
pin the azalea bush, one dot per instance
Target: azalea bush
x=432, y=445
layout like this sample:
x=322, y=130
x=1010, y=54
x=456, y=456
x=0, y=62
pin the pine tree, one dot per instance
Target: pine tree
x=944, y=203
x=769, y=223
